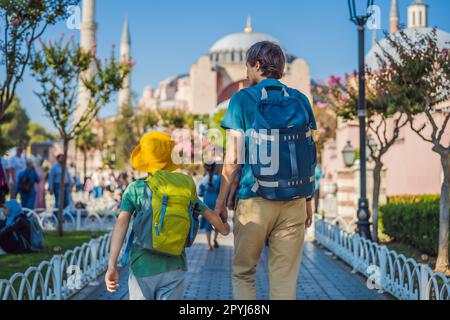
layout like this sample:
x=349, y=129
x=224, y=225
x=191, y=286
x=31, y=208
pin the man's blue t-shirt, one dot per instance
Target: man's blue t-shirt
x=240, y=115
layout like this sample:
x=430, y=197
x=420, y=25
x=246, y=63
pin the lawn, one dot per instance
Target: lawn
x=10, y=264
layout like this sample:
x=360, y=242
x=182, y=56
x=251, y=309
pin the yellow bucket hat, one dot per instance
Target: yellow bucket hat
x=154, y=153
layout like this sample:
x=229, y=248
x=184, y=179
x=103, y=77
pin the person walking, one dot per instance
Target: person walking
x=274, y=205
x=26, y=185
x=209, y=188
x=97, y=179
x=54, y=182
x=40, y=186
x=16, y=165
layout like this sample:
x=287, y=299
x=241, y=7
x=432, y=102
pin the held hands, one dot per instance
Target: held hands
x=222, y=212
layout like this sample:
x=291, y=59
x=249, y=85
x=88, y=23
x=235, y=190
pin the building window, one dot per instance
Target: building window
x=232, y=56
x=414, y=19
x=420, y=18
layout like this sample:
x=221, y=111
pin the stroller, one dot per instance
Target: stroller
x=20, y=233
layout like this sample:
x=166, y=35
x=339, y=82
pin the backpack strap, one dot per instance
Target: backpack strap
x=165, y=201
x=305, y=101
x=265, y=92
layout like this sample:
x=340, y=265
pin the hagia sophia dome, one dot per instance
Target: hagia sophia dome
x=232, y=48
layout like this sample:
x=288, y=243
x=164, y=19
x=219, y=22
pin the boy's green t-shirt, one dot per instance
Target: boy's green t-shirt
x=144, y=263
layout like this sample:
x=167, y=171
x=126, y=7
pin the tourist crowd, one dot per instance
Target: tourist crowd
x=30, y=178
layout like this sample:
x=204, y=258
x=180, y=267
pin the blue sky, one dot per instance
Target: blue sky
x=169, y=36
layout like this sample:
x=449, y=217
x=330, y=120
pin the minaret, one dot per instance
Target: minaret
x=374, y=37
x=87, y=42
x=248, y=28
x=125, y=55
x=393, y=19
x=418, y=15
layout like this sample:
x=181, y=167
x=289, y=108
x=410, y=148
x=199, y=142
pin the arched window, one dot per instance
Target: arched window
x=420, y=18
x=232, y=56
x=414, y=18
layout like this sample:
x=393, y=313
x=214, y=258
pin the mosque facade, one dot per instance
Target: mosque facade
x=217, y=75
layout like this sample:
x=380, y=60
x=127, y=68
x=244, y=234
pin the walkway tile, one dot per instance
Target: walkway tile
x=322, y=277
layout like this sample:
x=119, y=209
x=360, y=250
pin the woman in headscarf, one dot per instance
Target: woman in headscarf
x=40, y=187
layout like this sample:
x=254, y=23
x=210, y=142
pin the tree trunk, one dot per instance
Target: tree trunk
x=84, y=166
x=442, y=262
x=376, y=197
x=76, y=158
x=61, y=189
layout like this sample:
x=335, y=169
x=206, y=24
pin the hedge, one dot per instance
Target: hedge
x=409, y=199
x=413, y=220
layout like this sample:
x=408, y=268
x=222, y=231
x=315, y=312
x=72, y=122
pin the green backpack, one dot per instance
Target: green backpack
x=168, y=221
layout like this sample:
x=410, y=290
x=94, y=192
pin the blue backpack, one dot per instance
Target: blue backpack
x=283, y=154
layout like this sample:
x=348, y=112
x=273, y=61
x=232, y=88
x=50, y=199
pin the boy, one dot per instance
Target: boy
x=153, y=275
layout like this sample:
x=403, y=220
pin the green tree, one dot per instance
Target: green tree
x=342, y=96
x=145, y=121
x=38, y=133
x=86, y=142
x=5, y=142
x=418, y=80
x=58, y=68
x=23, y=22
x=16, y=129
x=124, y=136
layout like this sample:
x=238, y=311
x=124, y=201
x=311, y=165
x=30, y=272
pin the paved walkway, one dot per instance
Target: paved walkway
x=209, y=278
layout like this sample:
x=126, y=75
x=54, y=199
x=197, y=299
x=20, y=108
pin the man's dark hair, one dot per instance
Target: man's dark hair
x=270, y=56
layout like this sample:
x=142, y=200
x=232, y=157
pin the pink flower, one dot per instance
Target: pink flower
x=319, y=90
x=344, y=97
x=15, y=22
x=333, y=81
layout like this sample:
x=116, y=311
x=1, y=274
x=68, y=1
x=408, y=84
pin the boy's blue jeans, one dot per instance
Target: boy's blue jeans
x=164, y=286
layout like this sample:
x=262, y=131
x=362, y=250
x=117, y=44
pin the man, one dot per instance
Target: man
x=16, y=165
x=280, y=224
x=97, y=179
x=26, y=185
x=54, y=182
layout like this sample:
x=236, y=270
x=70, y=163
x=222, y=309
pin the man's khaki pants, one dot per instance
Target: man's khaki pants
x=282, y=225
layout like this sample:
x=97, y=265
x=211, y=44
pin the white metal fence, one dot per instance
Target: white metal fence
x=75, y=220
x=66, y=273
x=61, y=277
x=385, y=269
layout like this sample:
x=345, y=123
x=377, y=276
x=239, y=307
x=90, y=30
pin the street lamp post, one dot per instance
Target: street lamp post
x=360, y=20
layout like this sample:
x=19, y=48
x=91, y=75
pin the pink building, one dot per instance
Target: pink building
x=411, y=166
